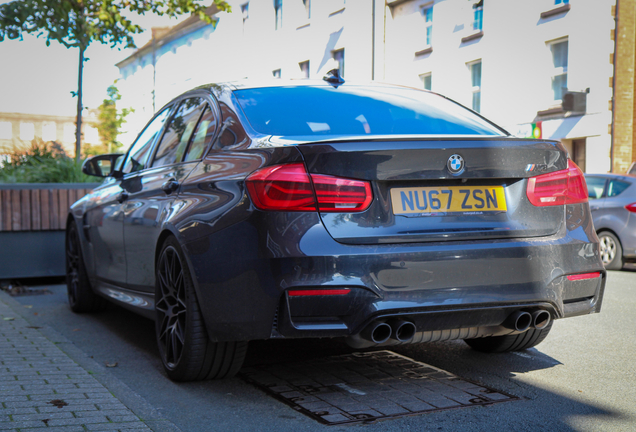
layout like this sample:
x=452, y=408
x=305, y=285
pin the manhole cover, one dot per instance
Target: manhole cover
x=368, y=386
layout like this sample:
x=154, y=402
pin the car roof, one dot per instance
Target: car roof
x=279, y=83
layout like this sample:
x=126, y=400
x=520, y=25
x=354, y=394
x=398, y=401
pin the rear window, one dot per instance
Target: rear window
x=307, y=111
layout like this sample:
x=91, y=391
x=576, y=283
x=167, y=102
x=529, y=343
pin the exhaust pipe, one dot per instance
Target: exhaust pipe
x=541, y=319
x=519, y=321
x=402, y=331
x=378, y=332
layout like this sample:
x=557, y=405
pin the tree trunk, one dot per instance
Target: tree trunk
x=78, y=130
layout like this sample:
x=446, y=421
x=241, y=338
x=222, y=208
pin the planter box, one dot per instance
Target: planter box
x=32, y=224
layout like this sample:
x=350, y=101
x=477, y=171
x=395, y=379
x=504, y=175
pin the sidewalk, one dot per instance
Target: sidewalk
x=47, y=384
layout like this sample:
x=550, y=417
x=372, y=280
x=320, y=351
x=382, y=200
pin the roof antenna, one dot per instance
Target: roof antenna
x=333, y=77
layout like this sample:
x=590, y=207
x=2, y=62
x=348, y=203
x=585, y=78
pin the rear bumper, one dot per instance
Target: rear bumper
x=441, y=286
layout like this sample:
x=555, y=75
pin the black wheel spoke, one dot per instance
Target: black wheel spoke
x=171, y=306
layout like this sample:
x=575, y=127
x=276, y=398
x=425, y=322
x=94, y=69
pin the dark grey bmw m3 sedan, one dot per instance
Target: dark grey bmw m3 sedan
x=379, y=214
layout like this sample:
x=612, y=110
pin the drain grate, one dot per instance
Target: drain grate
x=368, y=386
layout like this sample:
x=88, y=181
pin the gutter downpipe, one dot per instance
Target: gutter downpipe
x=373, y=40
x=616, y=34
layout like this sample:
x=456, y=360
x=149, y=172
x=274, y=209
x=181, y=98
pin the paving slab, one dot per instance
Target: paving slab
x=43, y=388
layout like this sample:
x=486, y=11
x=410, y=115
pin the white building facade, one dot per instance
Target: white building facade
x=514, y=61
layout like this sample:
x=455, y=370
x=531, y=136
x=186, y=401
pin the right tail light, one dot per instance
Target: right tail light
x=558, y=188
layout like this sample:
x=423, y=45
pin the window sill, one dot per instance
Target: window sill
x=424, y=52
x=338, y=12
x=552, y=111
x=473, y=36
x=555, y=11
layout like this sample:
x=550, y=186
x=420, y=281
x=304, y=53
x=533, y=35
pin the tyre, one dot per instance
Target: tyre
x=81, y=297
x=517, y=342
x=186, y=351
x=611, y=250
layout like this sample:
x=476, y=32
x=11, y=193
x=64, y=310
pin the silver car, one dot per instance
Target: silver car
x=613, y=205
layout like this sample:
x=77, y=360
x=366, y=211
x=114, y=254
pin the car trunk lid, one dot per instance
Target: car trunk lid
x=417, y=198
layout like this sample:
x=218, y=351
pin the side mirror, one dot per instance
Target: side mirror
x=101, y=165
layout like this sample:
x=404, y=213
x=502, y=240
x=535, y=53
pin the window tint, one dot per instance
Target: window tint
x=595, y=187
x=140, y=150
x=232, y=133
x=308, y=111
x=202, y=136
x=616, y=187
x=177, y=135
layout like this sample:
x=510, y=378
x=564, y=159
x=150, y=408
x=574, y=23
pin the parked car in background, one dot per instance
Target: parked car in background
x=613, y=206
x=384, y=215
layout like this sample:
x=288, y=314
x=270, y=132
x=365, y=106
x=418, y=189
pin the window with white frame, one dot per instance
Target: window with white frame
x=559, y=51
x=475, y=78
x=278, y=14
x=49, y=131
x=27, y=131
x=478, y=16
x=560, y=2
x=5, y=130
x=427, y=80
x=427, y=13
x=276, y=73
x=338, y=56
x=304, y=68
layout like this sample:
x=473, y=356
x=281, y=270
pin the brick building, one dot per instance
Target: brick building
x=623, y=81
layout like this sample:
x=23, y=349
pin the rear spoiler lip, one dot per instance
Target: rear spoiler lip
x=278, y=140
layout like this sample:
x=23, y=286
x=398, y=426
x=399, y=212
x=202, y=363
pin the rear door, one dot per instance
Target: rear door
x=152, y=191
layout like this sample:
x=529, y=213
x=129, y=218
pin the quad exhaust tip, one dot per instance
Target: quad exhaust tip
x=402, y=331
x=540, y=319
x=378, y=332
x=519, y=321
x=522, y=320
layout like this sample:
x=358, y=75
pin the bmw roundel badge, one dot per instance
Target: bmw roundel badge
x=455, y=164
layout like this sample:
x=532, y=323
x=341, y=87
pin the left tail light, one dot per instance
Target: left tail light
x=290, y=188
x=558, y=188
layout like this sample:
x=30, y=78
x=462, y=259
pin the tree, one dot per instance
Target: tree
x=77, y=23
x=110, y=120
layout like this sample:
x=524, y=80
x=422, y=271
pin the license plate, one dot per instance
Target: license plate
x=452, y=199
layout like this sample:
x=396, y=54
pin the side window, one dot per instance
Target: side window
x=177, y=135
x=202, y=136
x=232, y=133
x=616, y=187
x=595, y=187
x=140, y=150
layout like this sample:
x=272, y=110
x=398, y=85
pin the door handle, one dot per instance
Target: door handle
x=123, y=196
x=170, y=186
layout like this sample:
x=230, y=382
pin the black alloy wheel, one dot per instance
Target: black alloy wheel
x=171, y=307
x=81, y=297
x=186, y=351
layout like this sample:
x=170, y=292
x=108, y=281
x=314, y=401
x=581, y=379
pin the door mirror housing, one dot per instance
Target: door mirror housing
x=102, y=165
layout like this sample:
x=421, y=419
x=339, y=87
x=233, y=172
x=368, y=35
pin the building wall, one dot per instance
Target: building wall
x=17, y=130
x=624, y=80
x=387, y=42
x=516, y=61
